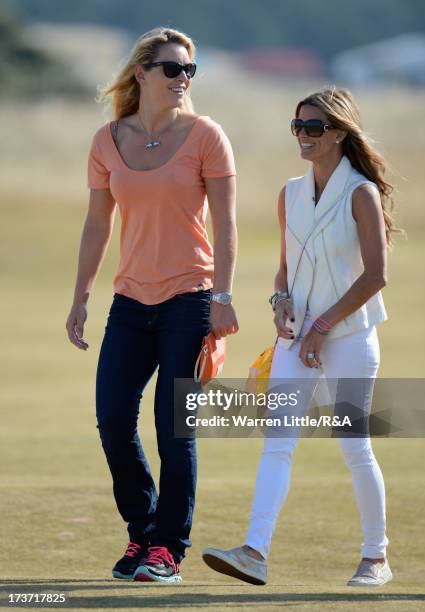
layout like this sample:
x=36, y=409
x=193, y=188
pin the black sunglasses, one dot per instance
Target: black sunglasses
x=173, y=69
x=312, y=127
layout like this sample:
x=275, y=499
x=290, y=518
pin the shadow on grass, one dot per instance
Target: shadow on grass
x=179, y=600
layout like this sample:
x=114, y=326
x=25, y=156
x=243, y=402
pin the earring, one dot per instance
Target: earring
x=337, y=141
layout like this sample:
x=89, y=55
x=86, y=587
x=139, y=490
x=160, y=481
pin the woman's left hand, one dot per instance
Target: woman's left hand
x=223, y=320
x=311, y=343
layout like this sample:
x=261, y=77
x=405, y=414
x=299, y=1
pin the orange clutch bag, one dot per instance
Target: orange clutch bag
x=210, y=360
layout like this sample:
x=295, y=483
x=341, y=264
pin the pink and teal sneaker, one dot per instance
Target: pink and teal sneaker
x=126, y=567
x=159, y=566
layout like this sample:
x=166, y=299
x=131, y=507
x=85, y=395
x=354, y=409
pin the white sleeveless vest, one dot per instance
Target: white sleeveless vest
x=331, y=261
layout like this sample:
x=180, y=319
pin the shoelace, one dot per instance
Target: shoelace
x=132, y=549
x=160, y=554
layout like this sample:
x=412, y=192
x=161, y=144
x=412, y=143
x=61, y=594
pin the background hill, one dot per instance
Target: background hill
x=327, y=26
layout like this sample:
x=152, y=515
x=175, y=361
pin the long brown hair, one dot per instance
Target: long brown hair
x=342, y=112
x=123, y=91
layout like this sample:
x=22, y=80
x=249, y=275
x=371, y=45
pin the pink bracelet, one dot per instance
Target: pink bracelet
x=322, y=326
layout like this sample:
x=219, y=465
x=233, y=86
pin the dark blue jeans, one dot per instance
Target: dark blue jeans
x=139, y=338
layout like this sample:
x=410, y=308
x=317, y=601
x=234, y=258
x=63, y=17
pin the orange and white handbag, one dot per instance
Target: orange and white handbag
x=210, y=361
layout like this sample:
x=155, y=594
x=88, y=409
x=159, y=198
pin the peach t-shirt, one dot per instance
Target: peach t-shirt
x=164, y=247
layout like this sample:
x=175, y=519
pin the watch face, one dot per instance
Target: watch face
x=222, y=298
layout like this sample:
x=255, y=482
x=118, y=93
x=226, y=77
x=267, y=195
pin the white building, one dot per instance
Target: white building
x=398, y=60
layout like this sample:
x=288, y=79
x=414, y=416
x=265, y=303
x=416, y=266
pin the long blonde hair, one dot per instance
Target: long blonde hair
x=342, y=112
x=123, y=92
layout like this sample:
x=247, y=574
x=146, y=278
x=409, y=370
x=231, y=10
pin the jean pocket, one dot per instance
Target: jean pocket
x=194, y=296
x=120, y=298
x=124, y=307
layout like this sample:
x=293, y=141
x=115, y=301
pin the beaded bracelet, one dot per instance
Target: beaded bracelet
x=322, y=326
x=277, y=297
x=281, y=298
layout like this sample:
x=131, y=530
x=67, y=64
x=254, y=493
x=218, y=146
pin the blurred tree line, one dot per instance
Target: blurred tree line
x=28, y=71
x=325, y=26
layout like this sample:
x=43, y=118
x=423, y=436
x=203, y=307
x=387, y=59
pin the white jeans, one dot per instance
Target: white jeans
x=352, y=356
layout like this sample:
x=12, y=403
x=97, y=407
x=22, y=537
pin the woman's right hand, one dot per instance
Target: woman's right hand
x=283, y=314
x=75, y=325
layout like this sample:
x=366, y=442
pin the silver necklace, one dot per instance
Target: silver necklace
x=152, y=143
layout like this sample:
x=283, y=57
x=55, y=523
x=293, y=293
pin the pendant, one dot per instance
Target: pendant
x=152, y=144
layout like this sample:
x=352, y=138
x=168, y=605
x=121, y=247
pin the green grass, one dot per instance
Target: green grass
x=59, y=527
x=58, y=516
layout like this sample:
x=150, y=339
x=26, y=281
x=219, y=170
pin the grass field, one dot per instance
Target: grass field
x=59, y=528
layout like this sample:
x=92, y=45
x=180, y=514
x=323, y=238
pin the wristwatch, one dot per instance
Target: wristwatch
x=221, y=298
x=276, y=296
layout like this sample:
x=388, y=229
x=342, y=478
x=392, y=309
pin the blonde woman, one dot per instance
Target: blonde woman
x=158, y=160
x=335, y=230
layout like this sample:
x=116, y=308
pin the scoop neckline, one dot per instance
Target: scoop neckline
x=184, y=143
